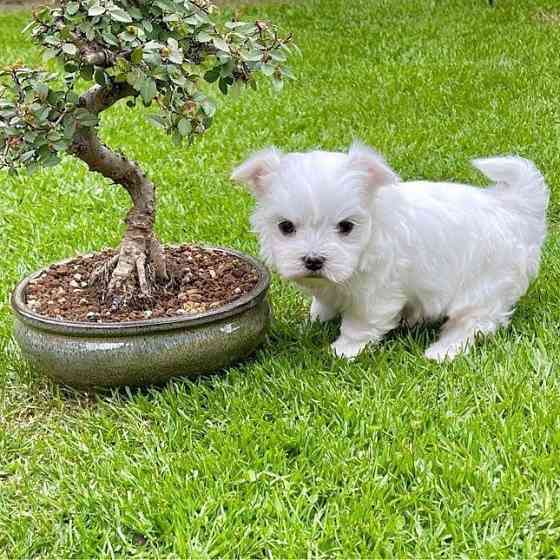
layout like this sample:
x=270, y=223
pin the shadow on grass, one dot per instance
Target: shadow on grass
x=291, y=342
x=297, y=347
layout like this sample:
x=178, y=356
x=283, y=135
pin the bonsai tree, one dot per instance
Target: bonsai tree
x=160, y=53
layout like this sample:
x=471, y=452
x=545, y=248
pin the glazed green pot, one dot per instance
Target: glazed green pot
x=142, y=352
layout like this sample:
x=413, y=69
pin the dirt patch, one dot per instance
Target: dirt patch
x=203, y=279
x=548, y=17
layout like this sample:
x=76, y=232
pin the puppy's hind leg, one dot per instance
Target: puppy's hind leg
x=459, y=333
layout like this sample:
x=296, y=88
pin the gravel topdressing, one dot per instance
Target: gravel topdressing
x=202, y=279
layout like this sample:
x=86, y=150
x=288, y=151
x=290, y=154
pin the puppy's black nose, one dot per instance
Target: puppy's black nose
x=314, y=263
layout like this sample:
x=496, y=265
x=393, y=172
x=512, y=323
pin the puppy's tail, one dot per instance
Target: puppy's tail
x=519, y=184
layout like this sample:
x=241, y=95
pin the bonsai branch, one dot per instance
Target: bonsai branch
x=90, y=51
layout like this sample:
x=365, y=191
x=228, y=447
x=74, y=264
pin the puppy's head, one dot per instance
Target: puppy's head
x=313, y=216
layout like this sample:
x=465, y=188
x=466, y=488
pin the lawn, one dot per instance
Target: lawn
x=294, y=453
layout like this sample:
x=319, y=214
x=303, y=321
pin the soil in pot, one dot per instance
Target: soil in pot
x=201, y=279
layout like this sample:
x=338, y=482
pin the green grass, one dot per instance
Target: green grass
x=294, y=453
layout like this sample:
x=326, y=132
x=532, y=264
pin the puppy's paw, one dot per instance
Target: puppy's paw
x=442, y=352
x=346, y=348
x=321, y=312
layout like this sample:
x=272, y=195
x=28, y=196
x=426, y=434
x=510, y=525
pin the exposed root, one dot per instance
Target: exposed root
x=128, y=281
x=141, y=271
x=132, y=274
x=102, y=275
x=158, y=259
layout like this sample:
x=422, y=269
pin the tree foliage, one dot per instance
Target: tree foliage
x=156, y=52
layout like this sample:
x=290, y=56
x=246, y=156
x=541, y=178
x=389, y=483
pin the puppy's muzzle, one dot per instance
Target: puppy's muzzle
x=314, y=264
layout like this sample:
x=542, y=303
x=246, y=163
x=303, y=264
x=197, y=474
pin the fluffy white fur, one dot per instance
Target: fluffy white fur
x=419, y=250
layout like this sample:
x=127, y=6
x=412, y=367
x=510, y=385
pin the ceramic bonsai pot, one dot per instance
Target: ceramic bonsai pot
x=142, y=352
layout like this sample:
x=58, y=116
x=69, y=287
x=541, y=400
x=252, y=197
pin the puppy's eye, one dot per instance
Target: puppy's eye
x=286, y=227
x=345, y=227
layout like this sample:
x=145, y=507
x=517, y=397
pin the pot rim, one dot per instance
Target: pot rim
x=61, y=326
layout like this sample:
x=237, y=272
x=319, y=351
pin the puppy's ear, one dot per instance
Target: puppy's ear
x=253, y=171
x=363, y=158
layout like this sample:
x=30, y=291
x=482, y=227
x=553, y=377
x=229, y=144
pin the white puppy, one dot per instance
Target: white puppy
x=377, y=250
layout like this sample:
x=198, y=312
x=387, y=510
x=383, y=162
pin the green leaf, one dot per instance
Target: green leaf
x=72, y=98
x=288, y=73
x=135, y=78
x=85, y=118
x=223, y=85
x=212, y=75
x=226, y=69
x=96, y=10
x=70, y=48
x=267, y=69
x=153, y=45
x=135, y=13
x=251, y=56
x=203, y=37
x=7, y=115
x=101, y=78
x=220, y=44
x=176, y=57
x=119, y=14
x=239, y=24
x=60, y=145
x=177, y=78
x=195, y=19
x=86, y=72
x=127, y=37
x=72, y=8
x=27, y=156
x=42, y=91
x=70, y=126
x=160, y=73
x=148, y=90
x=164, y=6
x=43, y=114
x=54, y=97
x=278, y=56
x=137, y=55
x=90, y=33
x=184, y=127
x=71, y=67
x=50, y=160
x=277, y=84
x=110, y=39
x=152, y=58
x=209, y=107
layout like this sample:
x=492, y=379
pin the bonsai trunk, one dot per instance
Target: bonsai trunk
x=140, y=260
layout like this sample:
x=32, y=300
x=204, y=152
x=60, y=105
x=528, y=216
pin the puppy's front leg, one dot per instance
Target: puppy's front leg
x=321, y=311
x=357, y=332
